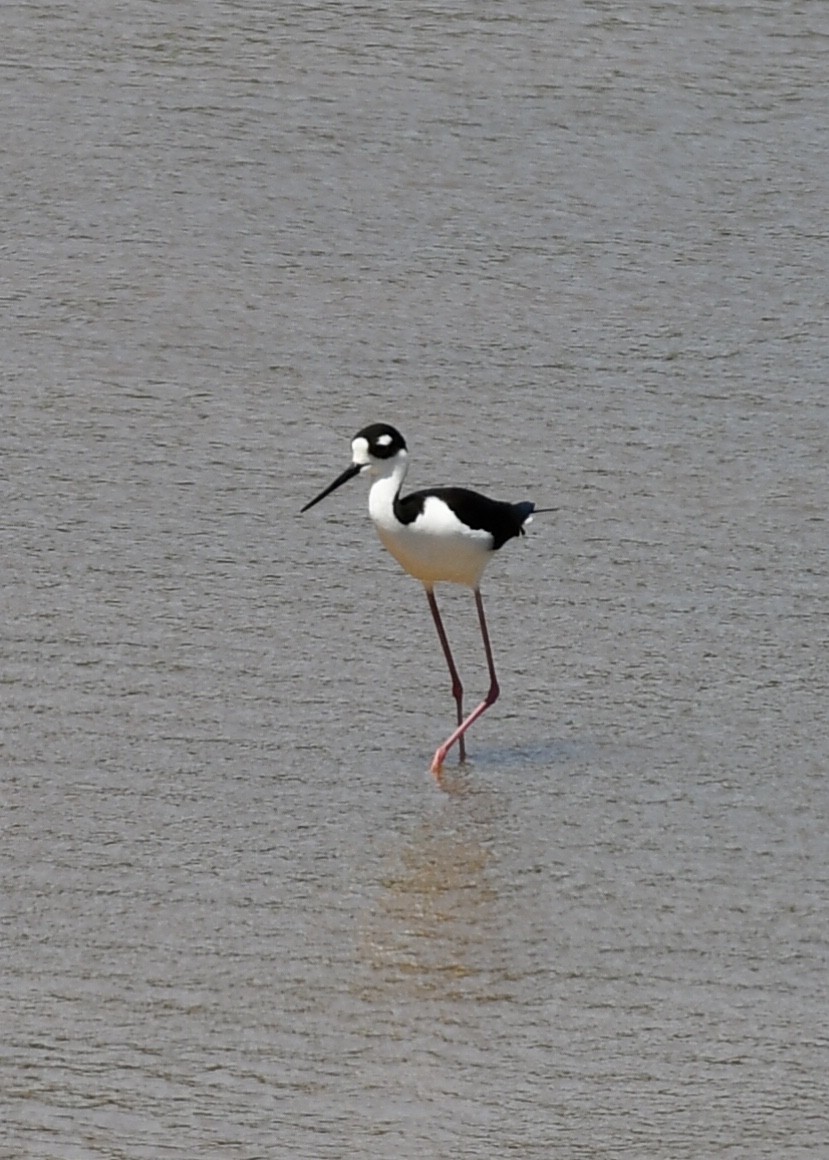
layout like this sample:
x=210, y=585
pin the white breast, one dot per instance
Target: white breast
x=436, y=546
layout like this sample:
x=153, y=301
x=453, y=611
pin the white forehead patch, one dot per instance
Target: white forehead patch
x=359, y=450
x=383, y=440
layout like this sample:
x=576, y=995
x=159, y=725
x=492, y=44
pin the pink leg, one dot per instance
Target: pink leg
x=489, y=699
x=457, y=687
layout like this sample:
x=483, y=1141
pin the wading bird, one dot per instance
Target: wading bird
x=440, y=534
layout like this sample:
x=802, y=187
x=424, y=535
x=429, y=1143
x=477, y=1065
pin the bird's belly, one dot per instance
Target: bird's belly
x=454, y=559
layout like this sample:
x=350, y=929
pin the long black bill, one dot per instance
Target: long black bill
x=349, y=473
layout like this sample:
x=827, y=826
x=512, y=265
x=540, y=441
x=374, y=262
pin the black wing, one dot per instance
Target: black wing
x=502, y=520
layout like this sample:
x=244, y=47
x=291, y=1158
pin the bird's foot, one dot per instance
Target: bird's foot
x=436, y=768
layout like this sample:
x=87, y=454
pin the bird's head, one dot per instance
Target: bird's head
x=378, y=450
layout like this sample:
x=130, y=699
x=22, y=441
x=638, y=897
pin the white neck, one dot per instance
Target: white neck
x=385, y=489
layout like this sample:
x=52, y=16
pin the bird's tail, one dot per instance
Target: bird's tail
x=526, y=510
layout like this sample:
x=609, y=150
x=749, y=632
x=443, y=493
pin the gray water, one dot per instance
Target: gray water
x=577, y=253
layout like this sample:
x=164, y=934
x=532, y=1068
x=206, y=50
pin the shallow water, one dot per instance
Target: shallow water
x=577, y=257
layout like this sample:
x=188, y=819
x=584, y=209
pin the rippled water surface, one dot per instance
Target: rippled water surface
x=577, y=253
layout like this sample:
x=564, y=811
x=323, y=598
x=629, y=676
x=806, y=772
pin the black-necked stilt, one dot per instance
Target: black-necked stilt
x=440, y=534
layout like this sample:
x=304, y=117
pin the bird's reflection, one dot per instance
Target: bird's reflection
x=435, y=926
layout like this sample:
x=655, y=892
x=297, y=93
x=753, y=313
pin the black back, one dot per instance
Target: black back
x=502, y=520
